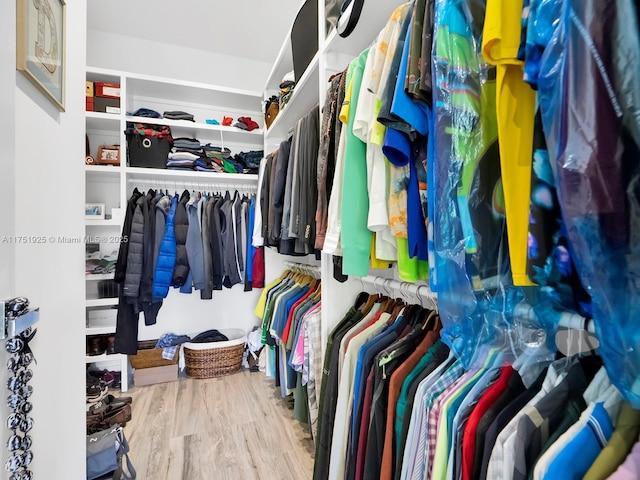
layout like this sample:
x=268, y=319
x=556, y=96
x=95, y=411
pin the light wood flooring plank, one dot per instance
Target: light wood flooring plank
x=233, y=427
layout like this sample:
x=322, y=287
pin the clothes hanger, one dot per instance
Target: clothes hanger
x=368, y=305
x=432, y=316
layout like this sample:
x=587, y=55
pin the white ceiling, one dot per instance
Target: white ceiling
x=253, y=29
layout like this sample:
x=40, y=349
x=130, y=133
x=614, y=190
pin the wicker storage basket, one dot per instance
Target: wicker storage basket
x=215, y=359
x=148, y=356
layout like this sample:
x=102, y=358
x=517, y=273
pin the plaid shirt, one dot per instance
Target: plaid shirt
x=149, y=130
x=313, y=363
x=428, y=429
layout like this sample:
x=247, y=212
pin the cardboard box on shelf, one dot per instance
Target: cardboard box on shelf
x=107, y=105
x=89, y=90
x=107, y=90
x=153, y=375
x=105, y=317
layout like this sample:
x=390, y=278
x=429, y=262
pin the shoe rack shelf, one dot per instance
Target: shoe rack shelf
x=105, y=358
x=103, y=186
x=102, y=302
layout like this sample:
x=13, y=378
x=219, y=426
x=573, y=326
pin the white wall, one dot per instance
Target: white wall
x=129, y=54
x=7, y=140
x=48, y=201
x=187, y=314
x=7, y=188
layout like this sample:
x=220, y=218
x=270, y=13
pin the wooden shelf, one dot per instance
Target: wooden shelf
x=104, y=276
x=303, y=99
x=103, y=358
x=282, y=65
x=101, y=302
x=102, y=121
x=102, y=223
x=372, y=21
x=102, y=173
x=184, y=92
x=204, y=130
x=100, y=331
x=161, y=174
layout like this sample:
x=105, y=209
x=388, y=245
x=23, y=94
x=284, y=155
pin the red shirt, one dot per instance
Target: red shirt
x=469, y=437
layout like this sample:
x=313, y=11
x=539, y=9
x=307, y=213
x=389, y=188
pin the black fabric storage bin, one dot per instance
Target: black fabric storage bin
x=147, y=151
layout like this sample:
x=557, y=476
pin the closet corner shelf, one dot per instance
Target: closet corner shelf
x=102, y=173
x=304, y=98
x=101, y=302
x=100, y=331
x=372, y=19
x=102, y=223
x=103, y=276
x=228, y=134
x=102, y=121
x=102, y=358
x=282, y=65
x=167, y=176
x=97, y=74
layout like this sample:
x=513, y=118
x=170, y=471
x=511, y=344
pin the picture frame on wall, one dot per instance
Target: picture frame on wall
x=40, y=46
x=94, y=211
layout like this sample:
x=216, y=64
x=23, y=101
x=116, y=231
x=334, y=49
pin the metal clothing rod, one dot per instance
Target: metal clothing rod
x=568, y=320
x=421, y=290
x=304, y=268
x=195, y=185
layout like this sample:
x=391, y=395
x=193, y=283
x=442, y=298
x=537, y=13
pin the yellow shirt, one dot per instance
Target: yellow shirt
x=262, y=301
x=515, y=108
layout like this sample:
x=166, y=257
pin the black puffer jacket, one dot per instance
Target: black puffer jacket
x=181, y=270
x=149, y=213
x=121, y=263
x=136, y=252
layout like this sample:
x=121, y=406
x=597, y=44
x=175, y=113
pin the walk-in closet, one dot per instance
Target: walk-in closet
x=320, y=240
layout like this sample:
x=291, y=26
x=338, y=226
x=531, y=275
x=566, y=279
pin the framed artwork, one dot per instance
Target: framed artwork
x=109, y=155
x=40, y=46
x=94, y=211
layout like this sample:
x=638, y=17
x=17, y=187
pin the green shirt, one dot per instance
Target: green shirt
x=356, y=236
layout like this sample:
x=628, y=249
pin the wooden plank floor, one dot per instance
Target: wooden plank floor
x=234, y=427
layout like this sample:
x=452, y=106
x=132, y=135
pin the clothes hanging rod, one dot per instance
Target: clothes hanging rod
x=194, y=185
x=568, y=320
x=303, y=266
x=418, y=289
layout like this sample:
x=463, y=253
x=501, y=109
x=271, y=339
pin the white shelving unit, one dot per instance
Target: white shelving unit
x=102, y=302
x=112, y=185
x=98, y=276
x=333, y=56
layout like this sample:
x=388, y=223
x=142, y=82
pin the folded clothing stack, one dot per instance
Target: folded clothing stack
x=179, y=115
x=245, y=123
x=184, y=154
x=213, y=161
x=222, y=159
x=98, y=264
x=250, y=160
x=145, y=112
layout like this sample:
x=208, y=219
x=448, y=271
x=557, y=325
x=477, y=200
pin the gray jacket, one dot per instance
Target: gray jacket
x=206, y=292
x=230, y=271
x=136, y=253
x=195, y=252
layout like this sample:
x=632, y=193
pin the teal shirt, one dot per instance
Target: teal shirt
x=356, y=236
x=401, y=406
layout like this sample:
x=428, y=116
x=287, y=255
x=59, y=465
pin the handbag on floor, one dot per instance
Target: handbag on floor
x=105, y=451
